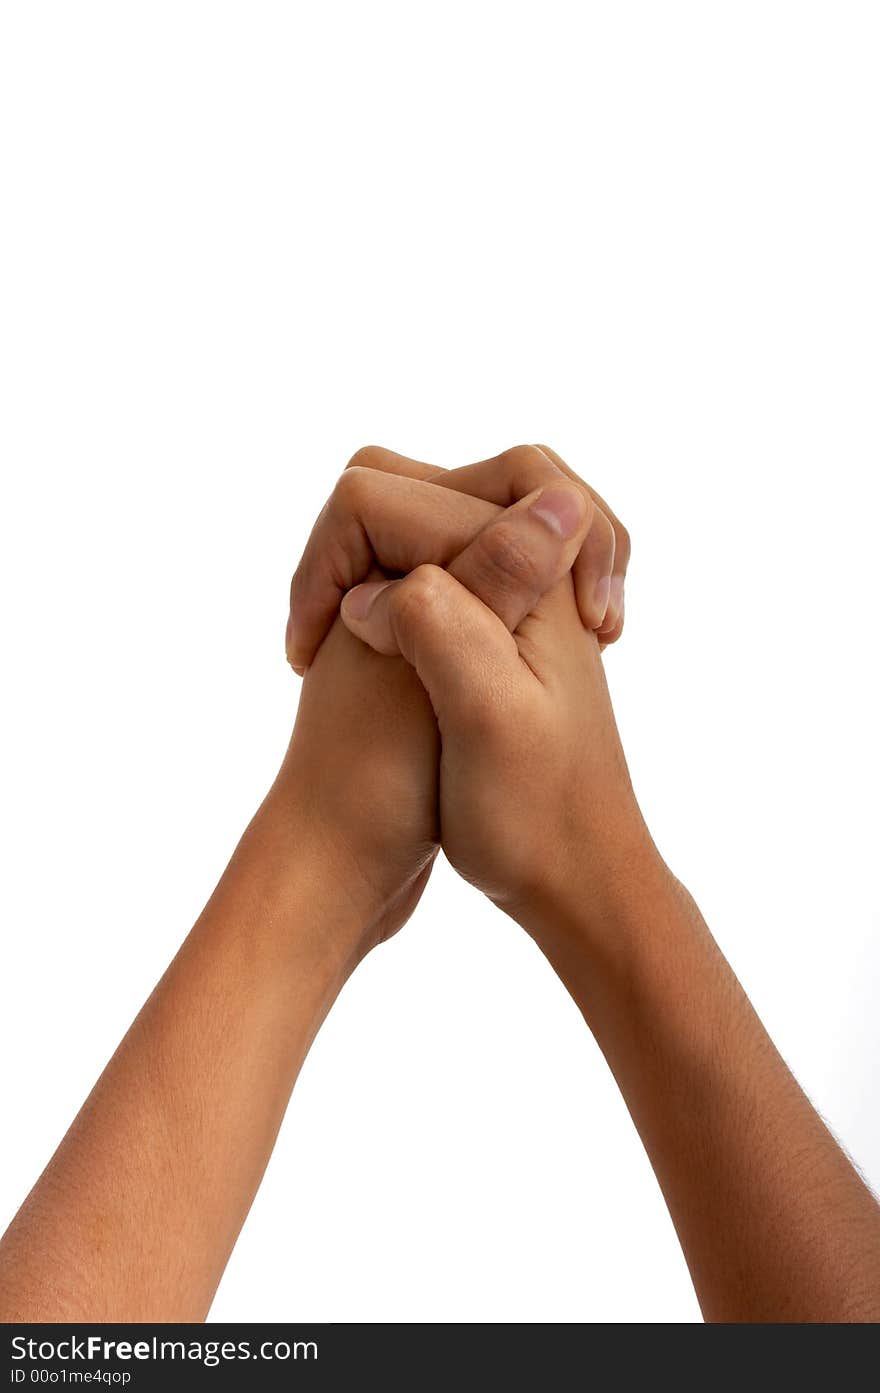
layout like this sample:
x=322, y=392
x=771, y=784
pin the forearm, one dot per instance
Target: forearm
x=138, y=1211
x=774, y=1221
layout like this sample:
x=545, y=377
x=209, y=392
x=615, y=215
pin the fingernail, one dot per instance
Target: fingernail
x=561, y=509
x=290, y=650
x=288, y=642
x=601, y=596
x=615, y=603
x=359, y=601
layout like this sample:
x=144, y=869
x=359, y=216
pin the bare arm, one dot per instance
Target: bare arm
x=774, y=1221
x=138, y=1210
x=136, y=1214
x=537, y=808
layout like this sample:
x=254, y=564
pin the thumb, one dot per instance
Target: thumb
x=464, y=656
x=525, y=550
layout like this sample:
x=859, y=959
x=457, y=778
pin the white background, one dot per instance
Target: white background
x=240, y=240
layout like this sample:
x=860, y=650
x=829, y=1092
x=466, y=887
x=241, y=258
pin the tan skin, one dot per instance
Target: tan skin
x=475, y=685
x=137, y=1212
x=538, y=811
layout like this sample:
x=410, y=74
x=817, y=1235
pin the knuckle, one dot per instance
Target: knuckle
x=418, y=597
x=506, y=556
x=555, y=460
x=529, y=457
x=623, y=544
x=350, y=488
x=365, y=457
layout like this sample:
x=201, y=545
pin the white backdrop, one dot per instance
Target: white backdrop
x=240, y=240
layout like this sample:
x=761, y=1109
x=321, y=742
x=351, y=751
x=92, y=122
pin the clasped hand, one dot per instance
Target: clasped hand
x=449, y=627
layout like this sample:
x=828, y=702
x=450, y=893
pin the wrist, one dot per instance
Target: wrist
x=595, y=911
x=312, y=909
x=640, y=963
x=361, y=885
